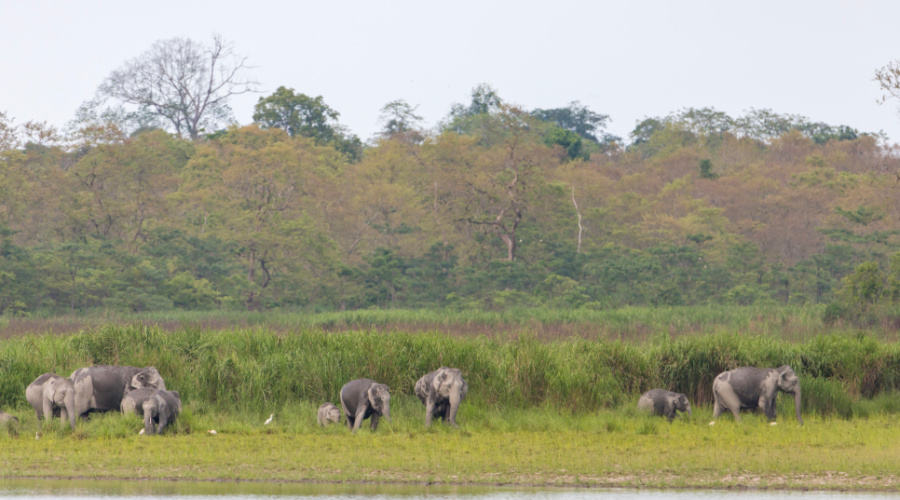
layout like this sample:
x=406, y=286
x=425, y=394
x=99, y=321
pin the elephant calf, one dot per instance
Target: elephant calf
x=749, y=387
x=663, y=402
x=6, y=418
x=363, y=398
x=441, y=391
x=329, y=414
x=156, y=406
x=52, y=396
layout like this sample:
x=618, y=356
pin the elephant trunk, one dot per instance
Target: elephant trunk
x=797, y=405
x=387, y=412
x=454, y=404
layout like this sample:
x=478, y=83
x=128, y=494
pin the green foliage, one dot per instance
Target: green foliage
x=246, y=369
x=706, y=170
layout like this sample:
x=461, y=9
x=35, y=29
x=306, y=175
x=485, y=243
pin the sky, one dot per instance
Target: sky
x=628, y=59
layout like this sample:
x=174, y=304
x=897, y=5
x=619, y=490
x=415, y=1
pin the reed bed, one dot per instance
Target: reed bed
x=255, y=369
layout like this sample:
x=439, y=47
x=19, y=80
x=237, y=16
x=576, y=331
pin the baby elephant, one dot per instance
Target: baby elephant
x=441, y=391
x=329, y=414
x=156, y=406
x=6, y=418
x=363, y=398
x=663, y=402
x=53, y=396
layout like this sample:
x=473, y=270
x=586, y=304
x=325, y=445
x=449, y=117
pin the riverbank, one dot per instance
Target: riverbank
x=609, y=449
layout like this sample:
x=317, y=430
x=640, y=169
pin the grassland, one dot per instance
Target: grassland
x=519, y=447
x=548, y=405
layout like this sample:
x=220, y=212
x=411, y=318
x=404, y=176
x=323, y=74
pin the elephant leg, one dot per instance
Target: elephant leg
x=84, y=391
x=727, y=399
x=48, y=409
x=163, y=421
x=717, y=409
x=670, y=412
x=374, y=424
x=357, y=420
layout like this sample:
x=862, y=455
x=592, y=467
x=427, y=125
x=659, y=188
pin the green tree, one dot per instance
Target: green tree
x=301, y=115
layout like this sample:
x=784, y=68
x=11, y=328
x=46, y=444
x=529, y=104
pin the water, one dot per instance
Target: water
x=194, y=490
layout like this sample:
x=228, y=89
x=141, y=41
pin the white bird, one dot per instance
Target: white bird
x=211, y=432
x=712, y=423
x=773, y=423
x=269, y=421
x=37, y=435
x=141, y=433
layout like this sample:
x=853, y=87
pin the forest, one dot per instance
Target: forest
x=496, y=207
x=154, y=205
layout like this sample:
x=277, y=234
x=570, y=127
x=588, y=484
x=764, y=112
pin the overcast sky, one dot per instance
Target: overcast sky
x=627, y=59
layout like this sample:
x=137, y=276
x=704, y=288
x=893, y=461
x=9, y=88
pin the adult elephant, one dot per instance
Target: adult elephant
x=101, y=387
x=158, y=407
x=363, y=398
x=52, y=396
x=749, y=387
x=441, y=391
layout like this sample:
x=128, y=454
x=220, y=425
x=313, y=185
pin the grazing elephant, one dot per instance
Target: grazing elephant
x=442, y=391
x=363, y=398
x=329, y=414
x=156, y=406
x=51, y=395
x=663, y=402
x=101, y=387
x=749, y=387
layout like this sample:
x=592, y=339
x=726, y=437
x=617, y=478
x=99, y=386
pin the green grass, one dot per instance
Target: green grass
x=637, y=324
x=530, y=446
x=540, y=410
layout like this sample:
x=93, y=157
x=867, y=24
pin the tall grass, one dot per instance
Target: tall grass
x=634, y=324
x=253, y=369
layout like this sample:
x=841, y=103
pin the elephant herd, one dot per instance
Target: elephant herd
x=441, y=391
x=132, y=390
x=142, y=391
x=744, y=387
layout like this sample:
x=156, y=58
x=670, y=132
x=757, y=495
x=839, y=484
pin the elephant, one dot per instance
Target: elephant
x=329, y=414
x=101, y=387
x=156, y=406
x=363, y=398
x=441, y=391
x=749, y=387
x=663, y=402
x=7, y=419
x=51, y=395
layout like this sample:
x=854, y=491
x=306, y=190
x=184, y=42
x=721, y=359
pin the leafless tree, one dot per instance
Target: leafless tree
x=184, y=82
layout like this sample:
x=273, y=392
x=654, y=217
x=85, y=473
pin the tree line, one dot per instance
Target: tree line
x=497, y=206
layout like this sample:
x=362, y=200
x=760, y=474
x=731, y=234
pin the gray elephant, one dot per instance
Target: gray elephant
x=51, y=395
x=101, y=387
x=363, y=398
x=749, y=387
x=441, y=391
x=156, y=406
x=663, y=402
x=7, y=419
x=329, y=414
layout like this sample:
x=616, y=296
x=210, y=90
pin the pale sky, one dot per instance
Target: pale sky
x=627, y=59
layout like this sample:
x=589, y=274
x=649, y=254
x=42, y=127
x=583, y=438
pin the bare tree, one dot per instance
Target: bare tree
x=888, y=78
x=184, y=82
